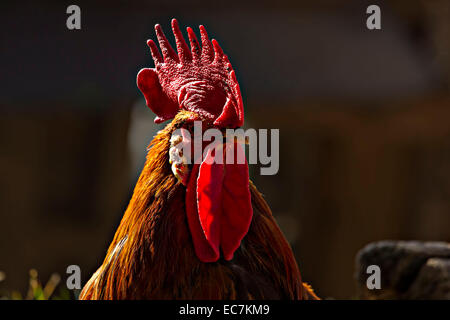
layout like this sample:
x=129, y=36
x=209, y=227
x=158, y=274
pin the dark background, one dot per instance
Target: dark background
x=363, y=115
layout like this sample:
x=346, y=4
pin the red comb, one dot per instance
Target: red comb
x=200, y=80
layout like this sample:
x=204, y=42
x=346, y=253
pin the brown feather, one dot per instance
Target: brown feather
x=152, y=255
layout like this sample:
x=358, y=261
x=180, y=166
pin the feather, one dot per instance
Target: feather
x=152, y=254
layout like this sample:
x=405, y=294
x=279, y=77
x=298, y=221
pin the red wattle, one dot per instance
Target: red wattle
x=202, y=247
x=218, y=207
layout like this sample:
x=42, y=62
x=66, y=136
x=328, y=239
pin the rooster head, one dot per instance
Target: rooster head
x=200, y=81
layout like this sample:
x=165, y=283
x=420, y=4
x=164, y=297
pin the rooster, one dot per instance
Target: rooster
x=202, y=230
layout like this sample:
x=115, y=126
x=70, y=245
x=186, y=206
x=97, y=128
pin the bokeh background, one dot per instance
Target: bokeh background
x=364, y=119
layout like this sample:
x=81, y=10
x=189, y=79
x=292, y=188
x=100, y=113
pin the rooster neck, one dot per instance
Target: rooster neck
x=154, y=226
x=152, y=253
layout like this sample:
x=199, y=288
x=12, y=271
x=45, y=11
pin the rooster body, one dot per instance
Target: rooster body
x=154, y=256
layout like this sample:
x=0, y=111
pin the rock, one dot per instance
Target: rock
x=433, y=280
x=409, y=270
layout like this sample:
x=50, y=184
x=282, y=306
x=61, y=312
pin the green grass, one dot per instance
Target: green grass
x=54, y=289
